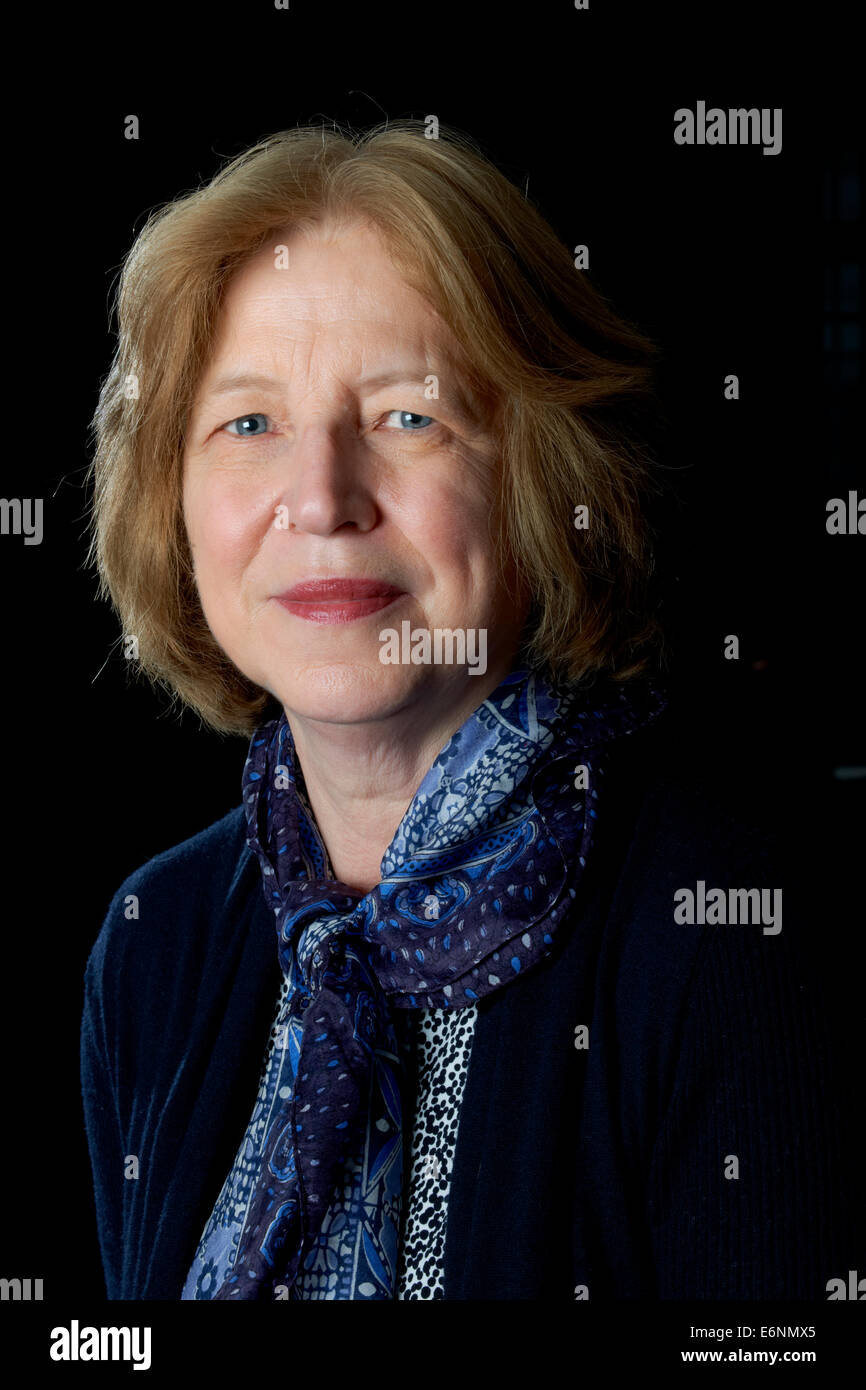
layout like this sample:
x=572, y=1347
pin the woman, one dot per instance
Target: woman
x=364, y=494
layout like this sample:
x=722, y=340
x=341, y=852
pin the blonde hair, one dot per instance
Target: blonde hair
x=537, y=336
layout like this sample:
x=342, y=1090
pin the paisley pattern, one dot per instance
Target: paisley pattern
x=478, y=875
x=217, y=1247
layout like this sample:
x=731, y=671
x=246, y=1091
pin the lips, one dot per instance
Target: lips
x=329, y=602
x=339, y=590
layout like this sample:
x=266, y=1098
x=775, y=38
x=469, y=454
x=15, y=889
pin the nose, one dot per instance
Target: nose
x=327, y=487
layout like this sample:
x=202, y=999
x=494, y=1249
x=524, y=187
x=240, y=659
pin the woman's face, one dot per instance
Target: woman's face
x=317, y=449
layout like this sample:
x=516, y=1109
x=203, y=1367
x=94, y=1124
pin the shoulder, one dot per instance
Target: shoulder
x=686, y=812
x=697, y=875
x=201, y=868
x=704, y=964
x=166, y=908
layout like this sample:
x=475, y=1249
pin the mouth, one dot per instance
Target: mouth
x=338, y=600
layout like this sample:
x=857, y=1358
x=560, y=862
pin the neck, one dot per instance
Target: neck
x=361, y=778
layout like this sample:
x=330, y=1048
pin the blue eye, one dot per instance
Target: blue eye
x=413, y=421
x=408, y=419
x=242, y=419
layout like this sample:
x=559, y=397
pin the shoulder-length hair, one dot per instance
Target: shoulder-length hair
x=538, y=338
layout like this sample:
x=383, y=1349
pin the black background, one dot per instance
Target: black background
x=725, y=256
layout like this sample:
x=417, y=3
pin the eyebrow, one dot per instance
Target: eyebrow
x=245, y=381
x=241, y=381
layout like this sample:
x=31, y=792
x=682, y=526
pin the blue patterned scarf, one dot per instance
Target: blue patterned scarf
x=474, y=884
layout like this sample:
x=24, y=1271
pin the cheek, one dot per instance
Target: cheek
x=220, y=525
x=450, y=517
x=454, y=528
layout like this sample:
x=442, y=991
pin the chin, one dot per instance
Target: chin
x=345, y=692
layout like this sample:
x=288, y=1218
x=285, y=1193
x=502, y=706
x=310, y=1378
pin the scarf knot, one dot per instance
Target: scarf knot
x=481, y=870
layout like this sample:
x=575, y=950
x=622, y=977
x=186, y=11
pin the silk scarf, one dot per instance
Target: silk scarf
x=481, y=870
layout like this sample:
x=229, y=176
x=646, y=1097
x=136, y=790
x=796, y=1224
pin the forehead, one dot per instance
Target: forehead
x=333, y=281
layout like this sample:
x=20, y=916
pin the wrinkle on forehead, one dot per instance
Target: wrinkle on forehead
x=267, y=315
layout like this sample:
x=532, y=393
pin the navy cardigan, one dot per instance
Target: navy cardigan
x=605, y=1173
